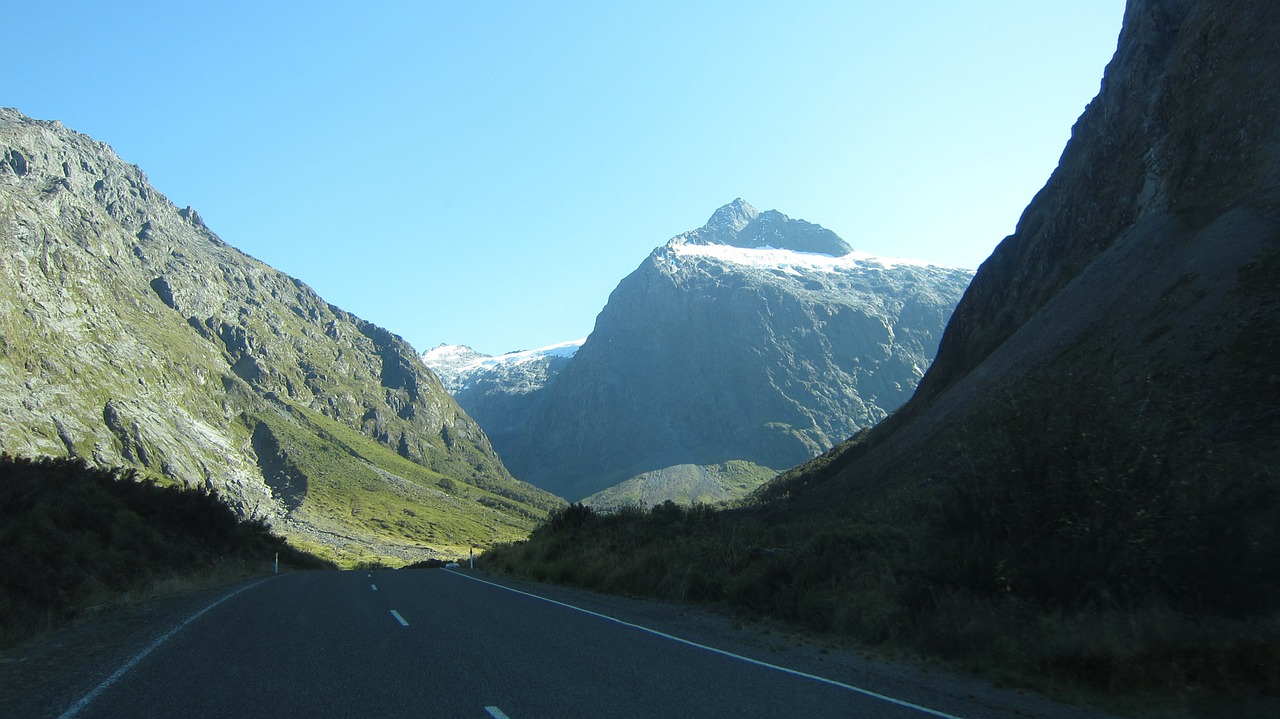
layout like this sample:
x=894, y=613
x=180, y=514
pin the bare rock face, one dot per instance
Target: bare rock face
x=132, y=335
x=1136, y=304
x=738, y=349
x=1185, y=124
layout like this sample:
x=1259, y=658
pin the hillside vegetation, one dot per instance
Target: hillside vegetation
x=131, y=335
x=1072, y=555
x=77, y=537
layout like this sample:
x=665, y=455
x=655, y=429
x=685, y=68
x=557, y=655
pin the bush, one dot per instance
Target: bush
x=1073, y=509
x=75, y=535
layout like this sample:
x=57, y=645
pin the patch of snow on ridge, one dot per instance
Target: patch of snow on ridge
x=442, y=354
x=457, y=365
x=461, y=359
x=563, y=349
x=790, y=260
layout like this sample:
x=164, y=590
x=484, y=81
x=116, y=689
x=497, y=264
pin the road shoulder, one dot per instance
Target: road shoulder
x=46, y=675
x=773, y=643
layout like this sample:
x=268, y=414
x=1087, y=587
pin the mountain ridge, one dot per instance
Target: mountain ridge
x=1191, y=160
x=131, y=335
x=721, y=348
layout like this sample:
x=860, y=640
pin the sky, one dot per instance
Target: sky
x=485, y=172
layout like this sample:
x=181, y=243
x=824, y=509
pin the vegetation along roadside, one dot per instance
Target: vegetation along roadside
x=78, y=538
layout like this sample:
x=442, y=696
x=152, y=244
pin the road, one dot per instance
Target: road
x=438, y=643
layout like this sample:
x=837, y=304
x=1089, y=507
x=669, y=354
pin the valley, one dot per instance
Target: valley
x=735, y=351
x=1058, y=472
x=132, y=336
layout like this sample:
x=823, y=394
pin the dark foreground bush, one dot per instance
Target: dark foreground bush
x=75, y=536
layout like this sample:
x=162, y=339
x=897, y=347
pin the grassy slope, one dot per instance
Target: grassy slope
x=686, y=484
x=383, y=498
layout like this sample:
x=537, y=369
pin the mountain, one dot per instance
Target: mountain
x=1083, y=494
x=462, y=369
x=498, y=391
x=1135, y=304
x=734, y=351
x=131, y=335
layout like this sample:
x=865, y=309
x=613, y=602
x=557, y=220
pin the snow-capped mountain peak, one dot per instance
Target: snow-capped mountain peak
x=458, y=365
x=738, y=224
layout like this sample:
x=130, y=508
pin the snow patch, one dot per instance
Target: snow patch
x=461, y=359
x=794, y=262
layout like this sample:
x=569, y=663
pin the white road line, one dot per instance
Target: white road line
x=399, y=618
x=88, y=698
x=374, y=587
x=722, y=652
x=496, y=713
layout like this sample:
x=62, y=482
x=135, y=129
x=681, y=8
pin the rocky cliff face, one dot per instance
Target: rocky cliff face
x=756, y=339
x=1137, y=298
x=130, y=334
x=1181, y=127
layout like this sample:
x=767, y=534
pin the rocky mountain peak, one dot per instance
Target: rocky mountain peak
x=738, y=224
x=735, y=350
x=731, y=218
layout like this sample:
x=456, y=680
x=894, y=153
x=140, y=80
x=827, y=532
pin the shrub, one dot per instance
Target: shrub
x=75, y=535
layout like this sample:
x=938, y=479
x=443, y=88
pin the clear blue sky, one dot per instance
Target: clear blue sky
x=485, y=172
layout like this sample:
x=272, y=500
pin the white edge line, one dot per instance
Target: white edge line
x=88, y=698
x=749, y=660
x=399, y=618
x=496, y=713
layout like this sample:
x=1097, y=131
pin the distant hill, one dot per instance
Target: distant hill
x=132, y=336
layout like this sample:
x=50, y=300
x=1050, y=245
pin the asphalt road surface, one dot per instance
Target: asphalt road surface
x=437, y=643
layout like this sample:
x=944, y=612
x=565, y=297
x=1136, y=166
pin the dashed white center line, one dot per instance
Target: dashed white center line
x=496, y=713
x=399, y=618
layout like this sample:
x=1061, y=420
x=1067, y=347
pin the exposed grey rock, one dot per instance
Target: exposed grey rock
x=755, y=338
x=132, y=335
x=1145, y=273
